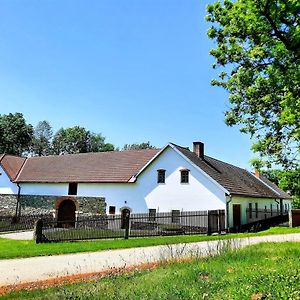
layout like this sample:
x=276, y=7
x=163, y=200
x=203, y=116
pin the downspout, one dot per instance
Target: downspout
x=280, y=202
x=227, y=211
x=18, y=206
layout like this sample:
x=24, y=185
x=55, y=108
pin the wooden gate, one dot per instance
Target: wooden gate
x=66, y=214
x=216, y=221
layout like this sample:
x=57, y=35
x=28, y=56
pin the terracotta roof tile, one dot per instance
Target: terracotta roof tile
x=116, y=166
x=11, y=165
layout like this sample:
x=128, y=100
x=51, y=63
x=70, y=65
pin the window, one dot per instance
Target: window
x=271, y=208
x=72, y=188
x=184, y=176
x=265, y=211
x=161, y=176
x=250, y=210
x=175, y=217
x=112, y=210
x=152, y=215
x=256, y=210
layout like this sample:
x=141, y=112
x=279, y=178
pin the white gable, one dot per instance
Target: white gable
x=201, y=193
x=6, y=186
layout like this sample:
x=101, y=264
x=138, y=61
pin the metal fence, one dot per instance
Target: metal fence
x=254, y=215
x=261, y=219
x=20, y=223
x=133, y=225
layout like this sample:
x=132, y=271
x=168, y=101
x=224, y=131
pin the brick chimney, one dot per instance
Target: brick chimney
x=199, y=149
x=256, y=173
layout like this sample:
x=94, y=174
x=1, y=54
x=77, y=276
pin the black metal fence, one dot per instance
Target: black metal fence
x=254, y=215
x=134, y=225
x=264, y=224
x=21, y=223
x=261, y=219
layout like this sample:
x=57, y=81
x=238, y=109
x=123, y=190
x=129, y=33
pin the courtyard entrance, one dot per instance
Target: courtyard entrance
x=66, y=214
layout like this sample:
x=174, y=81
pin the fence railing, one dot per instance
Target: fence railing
x=21, y=223
x=262, y=214
x=134, y=225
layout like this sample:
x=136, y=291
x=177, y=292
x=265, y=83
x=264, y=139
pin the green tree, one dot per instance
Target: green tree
x=145, y=145
x=96, y=143
x=78, y=140
x=41, y=142
x=15, y=134
x=288, y=181
x=258, y=50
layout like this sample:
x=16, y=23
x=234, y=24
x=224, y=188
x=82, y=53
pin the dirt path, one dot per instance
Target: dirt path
x=23, y=235
x=20, y=271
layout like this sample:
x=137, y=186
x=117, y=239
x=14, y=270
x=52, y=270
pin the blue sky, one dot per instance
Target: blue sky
x=135, y=71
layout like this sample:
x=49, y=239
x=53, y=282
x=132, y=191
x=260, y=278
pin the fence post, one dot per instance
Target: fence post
x=208, y=223
x=38, y=231
x=127, y=217
x=219, y=222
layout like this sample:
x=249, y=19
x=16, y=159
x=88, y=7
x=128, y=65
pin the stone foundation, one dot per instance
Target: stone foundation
x=8, y=205
x=40, y=204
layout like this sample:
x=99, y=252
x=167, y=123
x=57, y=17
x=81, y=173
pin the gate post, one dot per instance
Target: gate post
x=126, y=221
x=208, y=223
x=38, y=231
x=219, y=222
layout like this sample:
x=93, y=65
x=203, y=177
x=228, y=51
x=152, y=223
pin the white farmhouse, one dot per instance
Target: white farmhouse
x=157, y=180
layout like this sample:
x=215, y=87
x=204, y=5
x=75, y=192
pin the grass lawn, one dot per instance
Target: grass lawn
x=262, y=271
x=16, y=249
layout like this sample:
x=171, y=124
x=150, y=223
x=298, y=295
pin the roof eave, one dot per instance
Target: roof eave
x=269, y=187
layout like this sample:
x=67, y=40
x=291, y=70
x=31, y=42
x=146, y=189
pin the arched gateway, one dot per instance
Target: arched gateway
x=66, y=214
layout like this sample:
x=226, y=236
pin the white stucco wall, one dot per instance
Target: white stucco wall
x=199, y=194
x=49, y=189
x=6, y=186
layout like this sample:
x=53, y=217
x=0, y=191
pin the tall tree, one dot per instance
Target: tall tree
x=41, y=142
x=145, y=145
x=258, y=49
x=78, y=140
x=288, y=181
x=96, y=143
x=15, y=134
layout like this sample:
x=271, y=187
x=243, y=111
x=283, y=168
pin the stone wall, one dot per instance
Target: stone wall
x=41, y=204
x=8, y=204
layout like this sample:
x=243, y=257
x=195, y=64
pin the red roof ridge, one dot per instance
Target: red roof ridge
x=12, y=170
x=1, y=157
x=92, y=153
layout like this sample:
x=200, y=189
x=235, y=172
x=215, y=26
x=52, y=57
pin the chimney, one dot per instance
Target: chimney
x=199, y=149
x=256, y=173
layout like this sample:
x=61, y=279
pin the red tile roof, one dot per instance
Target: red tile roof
x=121, y=166
x=116, y=166
x=11, y=165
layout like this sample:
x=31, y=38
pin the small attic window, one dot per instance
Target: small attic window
x=112, y=210
x=161, y=176
x=72, y=188
x=184, y=175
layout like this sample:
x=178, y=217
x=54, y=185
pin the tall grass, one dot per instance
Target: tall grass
x=264, y=271
x=17, y=249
